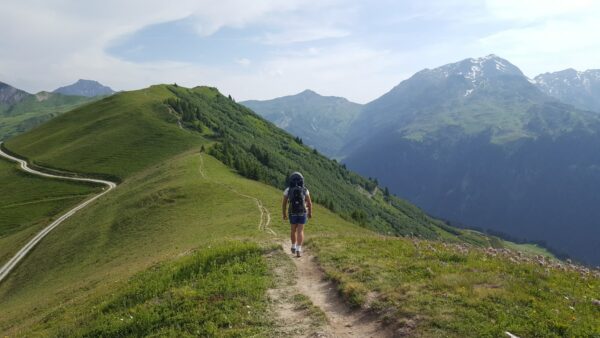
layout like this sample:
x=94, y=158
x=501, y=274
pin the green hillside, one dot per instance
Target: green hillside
x=116, y=136
x=129, y=131
x=323, y=122
x=35, y=110
x=188, y=203
x=430, y=289
x=28, y=203
x=477, y=143
x=187, y=244
x=163, y=255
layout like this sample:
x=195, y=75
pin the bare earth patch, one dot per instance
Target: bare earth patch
x=341, y=319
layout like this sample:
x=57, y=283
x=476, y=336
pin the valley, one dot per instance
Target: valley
x=190, y=243
x=440, y=157
x=479, y=144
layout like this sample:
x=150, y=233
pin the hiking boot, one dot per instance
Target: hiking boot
x=293, y=250
x=298, y=252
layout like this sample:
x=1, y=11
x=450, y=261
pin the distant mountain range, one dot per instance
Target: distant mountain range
x=10, y=95
x=323, y=122
x=21, y=111
x=581, y=89
x=188, y=244
x=86, y=88
x=478, y=143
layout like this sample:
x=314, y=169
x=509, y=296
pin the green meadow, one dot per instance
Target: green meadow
x=28, y=203
x=184, y=245
x=434, y=289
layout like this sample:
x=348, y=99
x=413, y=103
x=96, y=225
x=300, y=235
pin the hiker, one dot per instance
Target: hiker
x=300, y=208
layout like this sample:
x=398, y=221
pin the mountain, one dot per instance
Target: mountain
x=10, y=95
x=189, y=243
x=21, y=111
x=477, y=143
x=88, y=88
x=124, y=141
x=580, y=89
x=321, y=121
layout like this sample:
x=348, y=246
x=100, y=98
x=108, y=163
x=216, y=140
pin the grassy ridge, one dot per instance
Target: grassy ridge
x=218, y=291
x=186, y=203
x=174, y=200
x=124, y=133
x=116, y=136
x=35, y=110
x=28, y=203
x=431, y=289
x=257, y=149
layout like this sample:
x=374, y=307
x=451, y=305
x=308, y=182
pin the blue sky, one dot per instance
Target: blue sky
x=266, y=48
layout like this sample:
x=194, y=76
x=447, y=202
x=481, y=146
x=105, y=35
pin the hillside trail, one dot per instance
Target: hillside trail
x=342, y=321
x=265, y=215
x=23, y=165
x=309, y=280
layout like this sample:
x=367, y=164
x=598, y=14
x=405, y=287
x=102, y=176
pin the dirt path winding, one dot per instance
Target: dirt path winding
x=265, y=215
x=14, y=261
x=342, y=321
x=310, y=281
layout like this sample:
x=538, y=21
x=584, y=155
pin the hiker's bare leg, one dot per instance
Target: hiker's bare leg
x=300, y=233
x=293, y=233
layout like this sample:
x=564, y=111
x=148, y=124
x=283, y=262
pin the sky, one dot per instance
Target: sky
x=262, y=49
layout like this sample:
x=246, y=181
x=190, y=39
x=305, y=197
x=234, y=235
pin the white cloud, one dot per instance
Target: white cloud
x=243, y=62
x=213, y=15
x=531, y=10
x=329, y=71
x=50, y=43
x=546, y=35
x=303, y=35
x=46, y=44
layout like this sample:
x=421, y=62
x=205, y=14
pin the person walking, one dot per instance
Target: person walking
x=297, y=197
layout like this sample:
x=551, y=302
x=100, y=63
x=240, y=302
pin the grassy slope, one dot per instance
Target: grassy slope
x=528, y=248
x=129, y=131
x=430, y=289
x=249, y=141
x=116, y=136
x=171, y=201
x=322, y=122
x=32, y=112
x=33, y=203
x=155, y=215
x=219, y=291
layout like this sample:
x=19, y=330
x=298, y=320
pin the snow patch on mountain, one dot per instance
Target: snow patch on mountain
x=477, y=69
x=581, y=89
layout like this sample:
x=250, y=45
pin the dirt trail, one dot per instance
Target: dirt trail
x=342, y=321
x=310, y=281
x=265, y=215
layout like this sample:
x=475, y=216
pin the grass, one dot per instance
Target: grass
x=260, y=151
x=35, y=201
x=116, y=136
x=531, y=249
x=219, y=291
x=35, y=110
x=432, y=289
x=184, y=204
x=122, y=253
x=304, y=303
x=125, y=133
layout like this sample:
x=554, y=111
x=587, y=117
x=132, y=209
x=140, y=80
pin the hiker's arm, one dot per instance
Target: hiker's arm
x=309, y=206
x=284, y=207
